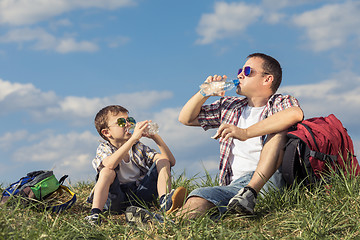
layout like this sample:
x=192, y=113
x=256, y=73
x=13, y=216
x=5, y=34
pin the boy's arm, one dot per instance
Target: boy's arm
x=114, y=159
x=164, y=150
x=276, y=123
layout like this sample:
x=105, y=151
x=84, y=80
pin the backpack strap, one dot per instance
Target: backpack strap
x=317, y=154
x=323, y=157
x=62, y=179
x=311, y=133
x=288, y=164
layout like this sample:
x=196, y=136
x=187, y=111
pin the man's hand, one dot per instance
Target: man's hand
x=227, y=130
x=216, y=78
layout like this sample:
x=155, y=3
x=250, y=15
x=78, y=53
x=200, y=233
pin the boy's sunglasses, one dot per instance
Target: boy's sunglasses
x=122, y=121
x=247, y=71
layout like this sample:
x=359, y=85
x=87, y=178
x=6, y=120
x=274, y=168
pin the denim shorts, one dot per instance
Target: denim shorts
x=123, y=195
x=221, y=195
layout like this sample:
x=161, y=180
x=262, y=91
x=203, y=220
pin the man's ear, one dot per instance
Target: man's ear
x=268, y=80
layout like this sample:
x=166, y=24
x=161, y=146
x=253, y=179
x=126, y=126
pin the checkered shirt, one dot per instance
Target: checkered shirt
x=228, y=110
x=140, y=154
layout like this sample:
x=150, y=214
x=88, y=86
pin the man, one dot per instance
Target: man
x=252, y=134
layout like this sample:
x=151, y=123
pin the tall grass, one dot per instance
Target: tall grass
x=330, y=211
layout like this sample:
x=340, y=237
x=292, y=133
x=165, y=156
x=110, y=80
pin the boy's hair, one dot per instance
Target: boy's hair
x=101, y=118
x=272, y=66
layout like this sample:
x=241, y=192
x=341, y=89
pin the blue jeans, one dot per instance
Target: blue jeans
x=123, y=195
x=221, y=195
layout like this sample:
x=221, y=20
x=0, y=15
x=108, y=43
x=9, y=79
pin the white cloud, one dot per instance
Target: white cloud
x=56, y=148
x=24, y=12
x=10, y=138
x=338, y=95
x=17, y=96
x=46, y=106
x=42, y=40
x=331, y=26
x=227, y=20
x=117, y=41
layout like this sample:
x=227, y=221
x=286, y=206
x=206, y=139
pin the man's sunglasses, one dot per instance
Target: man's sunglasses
x=247, y=71
x=122, y=121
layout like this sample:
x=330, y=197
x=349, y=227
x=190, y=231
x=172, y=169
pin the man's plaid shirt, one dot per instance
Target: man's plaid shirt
x=228, y=110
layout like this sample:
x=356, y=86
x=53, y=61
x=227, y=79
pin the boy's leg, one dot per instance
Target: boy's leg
x=101, y=191
x=164, y=180
x=105, y=179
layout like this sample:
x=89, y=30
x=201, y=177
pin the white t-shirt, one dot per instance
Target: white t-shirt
x=245, y=155
x=129, y=172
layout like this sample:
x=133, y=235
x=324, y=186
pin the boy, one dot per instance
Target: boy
x=129, y=172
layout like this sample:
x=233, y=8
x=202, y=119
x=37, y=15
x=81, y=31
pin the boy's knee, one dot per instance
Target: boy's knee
x=163, y=162
x=107, y=173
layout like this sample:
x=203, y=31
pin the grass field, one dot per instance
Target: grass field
x=322, y=212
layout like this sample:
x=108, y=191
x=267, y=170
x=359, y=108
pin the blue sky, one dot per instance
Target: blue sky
x=63, y=60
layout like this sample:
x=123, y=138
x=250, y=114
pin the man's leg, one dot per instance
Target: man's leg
x=270, y=160
x=195, y=207
x=201, y=200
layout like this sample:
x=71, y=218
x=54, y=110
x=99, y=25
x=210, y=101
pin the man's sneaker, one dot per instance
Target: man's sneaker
x=173, y=200
x=243, y=202
x=94, y=219
x=139, y=216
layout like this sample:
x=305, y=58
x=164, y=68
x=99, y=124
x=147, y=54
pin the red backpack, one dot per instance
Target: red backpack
x=314, y=146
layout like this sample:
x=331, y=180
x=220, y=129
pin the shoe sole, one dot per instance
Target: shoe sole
x=135, y=215
x=178, y=199
x=236, y=207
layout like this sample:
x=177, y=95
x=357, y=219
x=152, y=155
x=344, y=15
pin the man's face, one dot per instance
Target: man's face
x=250, y=85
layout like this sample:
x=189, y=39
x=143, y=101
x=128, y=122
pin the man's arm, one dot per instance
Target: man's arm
x=190, y=112
x=276, y=123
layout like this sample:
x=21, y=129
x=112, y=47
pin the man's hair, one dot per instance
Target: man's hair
x=271, y=66
x=101, y=118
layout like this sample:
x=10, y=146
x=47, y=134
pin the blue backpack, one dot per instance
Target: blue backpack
x=40, y=186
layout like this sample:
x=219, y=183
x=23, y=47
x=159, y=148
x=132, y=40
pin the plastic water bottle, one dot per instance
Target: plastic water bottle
x=210, y=88
x=152, y=128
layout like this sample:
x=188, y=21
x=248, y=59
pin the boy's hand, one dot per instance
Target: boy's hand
x=139, y=130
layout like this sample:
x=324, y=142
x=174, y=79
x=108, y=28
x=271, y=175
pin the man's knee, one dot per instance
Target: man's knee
x=197, y=205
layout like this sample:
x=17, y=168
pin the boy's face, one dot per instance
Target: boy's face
x=115, y=133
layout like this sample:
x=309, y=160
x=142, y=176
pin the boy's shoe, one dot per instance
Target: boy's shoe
x=139, y=216
x=94, y=219
x=173, y=200
x=243, y=202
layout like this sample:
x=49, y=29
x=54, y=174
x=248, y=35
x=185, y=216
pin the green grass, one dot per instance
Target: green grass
x=321, y=212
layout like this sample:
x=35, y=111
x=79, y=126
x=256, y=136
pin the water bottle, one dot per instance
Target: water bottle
x=151, y=129
x=210, y=88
